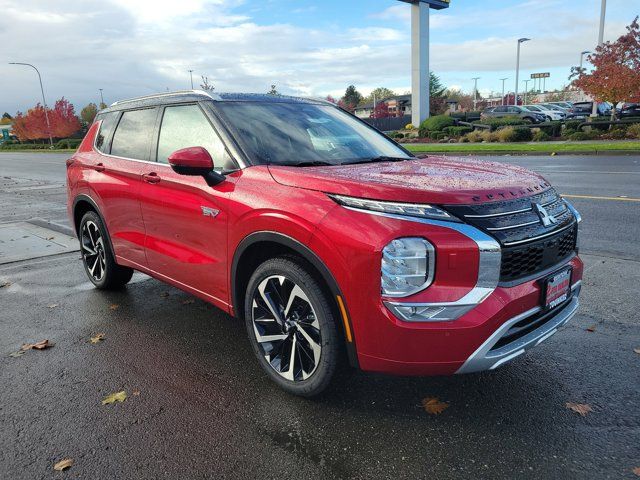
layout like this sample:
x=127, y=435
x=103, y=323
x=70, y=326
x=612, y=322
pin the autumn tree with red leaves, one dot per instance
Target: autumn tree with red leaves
x=381, y=110
x=616, y=74
x=33, y=125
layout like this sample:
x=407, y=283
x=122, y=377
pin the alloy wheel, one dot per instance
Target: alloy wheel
x=286, y=328
x=93, y=251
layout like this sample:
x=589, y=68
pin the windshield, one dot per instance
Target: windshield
x=532, y=108
x=281, y=133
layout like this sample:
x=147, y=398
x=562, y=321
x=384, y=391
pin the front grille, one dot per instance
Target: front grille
x=528, y=247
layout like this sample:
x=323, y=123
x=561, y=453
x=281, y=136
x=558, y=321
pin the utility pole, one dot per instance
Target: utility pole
x=191, y=75
x=526, y=89
x=503, y=80
x=520, y=42
x=475, y=93
x=101, y=98
x=46, y=115
x=603, y=13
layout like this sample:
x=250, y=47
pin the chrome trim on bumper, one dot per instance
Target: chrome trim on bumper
x=486, y=359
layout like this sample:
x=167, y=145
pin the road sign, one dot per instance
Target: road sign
x=540, y=75
x=435, y=4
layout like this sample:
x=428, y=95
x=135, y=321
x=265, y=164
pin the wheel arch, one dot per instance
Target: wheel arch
x=260, y=246
x=81, y=205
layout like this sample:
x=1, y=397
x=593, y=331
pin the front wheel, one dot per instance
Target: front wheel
x=291, y=326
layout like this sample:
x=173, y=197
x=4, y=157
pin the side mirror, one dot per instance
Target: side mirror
x=195, y=161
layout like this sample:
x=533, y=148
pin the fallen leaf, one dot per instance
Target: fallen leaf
x=164, y=294
x=5, y=284
x=637, y=350
x=114, y=306
x=136, y=393
x=63, y=464
x=50, y=238
x=581, y=408
x=553, y=154
x=188, y=302
x=53, y=305
x=97, y=339
x=636, y=471
x=19, y=353
x=434, y=406
x=41, y=345
x=115, y=397
x=591, y=329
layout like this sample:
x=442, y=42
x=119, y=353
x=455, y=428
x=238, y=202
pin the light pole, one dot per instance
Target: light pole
x=46, y=115
x=526, y=89
x=475, y=92
x=101, y=98
x=503, y=80
x=520, y=42
x=603, y=13
x=582, y=54
x=191, y=75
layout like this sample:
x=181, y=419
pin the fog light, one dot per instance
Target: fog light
x=407, y=266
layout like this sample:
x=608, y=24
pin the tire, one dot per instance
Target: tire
x=305, y=331
x=97, y=257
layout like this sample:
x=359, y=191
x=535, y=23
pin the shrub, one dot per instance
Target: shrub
x=457, y=131
x=496, y=123
x=68, y=143
x=25, y=146
x=515, y=134
x=572, y=125
x=580, y=136
x=437, y=123
x=409, y=127
x=436, y=135
x=554, y=129
x=616, y=133
x=474, y=137
x=541, y=136
x=633, y=131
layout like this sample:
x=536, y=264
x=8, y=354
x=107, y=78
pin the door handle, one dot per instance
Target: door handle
x=151, y=177
x=99, y=167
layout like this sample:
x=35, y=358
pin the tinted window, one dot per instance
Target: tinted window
x=514, y=110
x=133, y=135
x=187, y=126
x=284, y=133
x=106, y=129
x=500, y=109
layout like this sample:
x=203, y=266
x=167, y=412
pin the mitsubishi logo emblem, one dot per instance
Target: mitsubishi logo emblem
x=546, y=219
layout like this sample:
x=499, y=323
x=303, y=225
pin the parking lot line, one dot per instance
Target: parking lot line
x=589, y=197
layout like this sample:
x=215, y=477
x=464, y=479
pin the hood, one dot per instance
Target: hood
x=438, y=180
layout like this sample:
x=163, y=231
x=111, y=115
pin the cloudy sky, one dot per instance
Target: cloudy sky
x=138, y=47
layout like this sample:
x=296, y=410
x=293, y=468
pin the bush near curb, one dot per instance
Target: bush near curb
x=633, y=130
x=457, y=131
x=496, y=123
x=68, y=143
x=25, y=146
x=554, y=129
x=515, y=134
x=541, y=136
x=436, y=124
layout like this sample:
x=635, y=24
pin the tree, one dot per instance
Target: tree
x=64, y=121
x=33, y=125
x=88, y=113
x=103, y=105
x=436, y=88
x=616, y=74
x=331, y=99
x=381, y=110
x=273, y=91
x=379, y=94
x=205, y=85
x=464, y=100
x=351, y=99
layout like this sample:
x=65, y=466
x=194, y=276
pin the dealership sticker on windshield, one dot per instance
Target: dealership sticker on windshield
x=557, y=288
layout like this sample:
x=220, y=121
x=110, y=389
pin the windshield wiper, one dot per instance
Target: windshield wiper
x=379, y=159
x=314, y=163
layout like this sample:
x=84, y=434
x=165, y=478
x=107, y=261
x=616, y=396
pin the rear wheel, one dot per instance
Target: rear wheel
x=97, y=257
x=291, y=326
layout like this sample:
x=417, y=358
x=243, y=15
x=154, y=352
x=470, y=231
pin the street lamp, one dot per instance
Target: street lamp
x=101, y=98
x=582, y=54
x=191, y=75
x=503, y=80
x=46, y=115
x=520, y=42
x=526, y=89
x=475, y=92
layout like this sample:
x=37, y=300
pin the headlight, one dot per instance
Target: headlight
x=406, y=209
x=407, y=266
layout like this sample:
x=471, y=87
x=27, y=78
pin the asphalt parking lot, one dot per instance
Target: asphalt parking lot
x=199, y=406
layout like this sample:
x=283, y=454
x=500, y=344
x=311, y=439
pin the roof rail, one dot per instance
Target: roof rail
x=212, y=96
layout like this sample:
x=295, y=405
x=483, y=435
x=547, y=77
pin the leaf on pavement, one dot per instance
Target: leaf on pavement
x=114, y=306
x=636, y=471
x=5, y=284
x=19, y=353
x=434, y=406
x=591, y=329
x=41, y=345
x=188, y=302
x=115, y=397
x=53, y=305
x=637, y=350
x=136, y=393
x=63, y=464
x=164, y=294
x=97, y=338
x=581, y=408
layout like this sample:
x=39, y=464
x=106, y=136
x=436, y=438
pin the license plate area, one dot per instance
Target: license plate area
x=556, y=288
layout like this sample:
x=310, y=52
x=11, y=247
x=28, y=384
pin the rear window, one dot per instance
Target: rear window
x=106, y=129
x=133, y=135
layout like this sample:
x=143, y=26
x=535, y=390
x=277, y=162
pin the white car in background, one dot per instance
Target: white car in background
x=548, y=112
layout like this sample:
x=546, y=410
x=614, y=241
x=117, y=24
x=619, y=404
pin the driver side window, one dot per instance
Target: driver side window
x=186, y=126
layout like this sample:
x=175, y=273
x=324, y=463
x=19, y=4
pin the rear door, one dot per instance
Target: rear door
x=185, y=218
x=499, y=111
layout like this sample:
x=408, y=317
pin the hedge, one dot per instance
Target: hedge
x=68, y=143
x=437, y=123
x=457, y=131
x=496, y=123
x=25, y=146
x=553, y=129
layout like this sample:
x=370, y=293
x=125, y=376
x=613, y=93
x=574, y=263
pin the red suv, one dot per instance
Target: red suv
x=333, y=243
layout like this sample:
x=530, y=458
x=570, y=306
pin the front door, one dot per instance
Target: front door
x=185, y=219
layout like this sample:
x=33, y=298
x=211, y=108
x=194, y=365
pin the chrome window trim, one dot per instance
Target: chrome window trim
x=213, y=96
x=488, y=270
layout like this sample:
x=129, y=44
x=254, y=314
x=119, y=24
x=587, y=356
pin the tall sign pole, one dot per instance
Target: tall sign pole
x=420, y=56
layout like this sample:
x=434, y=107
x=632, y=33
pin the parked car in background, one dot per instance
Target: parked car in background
x=584, y=109
x=550, y=113
x=629, y=110
x=514, y=111
x=564, y=105
x=327, y=239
